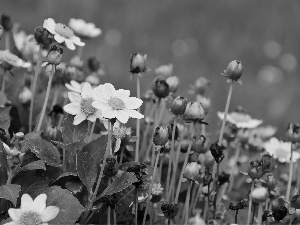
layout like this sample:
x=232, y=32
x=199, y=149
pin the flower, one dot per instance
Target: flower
x=194, y=112
x=74, y=86
x=32, y=212
x=241, y=120
x=160, y=87
x=173, y=83
x=116, y=103
x=259, y=194
x=192, y=170
x=13, y=60
x=29, y=49
x=53, y=58
x=138, y=63
x=62, y=34
x=84, y=29
x=178, y=105
x=164, y=70
x=81, y=104
x=119, y=133
x=234, y=71
x=281, y=150
x=160, y=136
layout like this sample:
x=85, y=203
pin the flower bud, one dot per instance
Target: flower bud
x=169, y=209
x=138, y=63
x=6, y=22
x=255, y=170
x=41, y=36
x=259, y=194
x=208, y=160
x=192, y=170
x=279, y=213
x=242, y=204
x=217, y=152
x=184, y=145
x=170, y=130
x=268, y=163
x=156, y=192
x=293, y=132
x=25, y=95
x=295, y=201
x=93, y=64
x=223, y=178
x=178, y=105
x=55, y=55
x=1, y=32
x=52, y=134
x=160, y=88
x=194, y=111
x=160, y=136
x=93, y=80
x=198, y=145
x=234, y=70
x=205, y=102
x=173, y=83
x=111, y=167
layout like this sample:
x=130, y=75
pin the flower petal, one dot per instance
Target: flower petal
x=133, y=103
x=86, y=91
x=70, y=45
x=49, y=213
x=39, y=203
x=60, y=39
x=26, y=202
x=50, y=24
x=79, y=118
x=123, y=94
x=108, y=113
x=97, y=94
x=72, y=108
x=74, y=97
x=108, y=91
x=134, y=114
x=92, y=118
x=76, y=40
x=15, y=214
x=101, y=105
x=122, y=116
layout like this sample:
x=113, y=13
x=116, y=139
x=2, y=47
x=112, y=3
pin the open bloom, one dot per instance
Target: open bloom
x=117, y=103
x=62, y=34
x=12, y=59
x=74, y=86
x=81, y=105
x=84, y=29
x=33, y=212
x=241, y=120
x=281, y=150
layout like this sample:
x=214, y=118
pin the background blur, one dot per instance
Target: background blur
x=199, y=37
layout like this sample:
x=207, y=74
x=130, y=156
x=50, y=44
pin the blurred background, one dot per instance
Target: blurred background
x=200, y=38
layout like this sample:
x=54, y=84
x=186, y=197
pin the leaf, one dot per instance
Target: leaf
x=4, y=117
x=33, y=135
x=3, y=166
x=44, y=150
x=73, y=133
x=36, y=165
x=10, y=192
x=120, y=184
x=69, y=207
x=38, y=187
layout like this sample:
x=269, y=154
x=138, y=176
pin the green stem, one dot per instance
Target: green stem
x=288, y=191
x=260, y=213
x=236, y=157
x=108, y=209
x=92, y=130
x=115, y=217
x=136, y=204
x=236, y=214
x=138, y=121
x=187, y=204
x=121, y=156
x=250, y=204
x=7, y=40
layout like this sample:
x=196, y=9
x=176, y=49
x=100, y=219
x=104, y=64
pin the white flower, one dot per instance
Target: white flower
x=33, y=212
x=84, y=29
x=81, y=105
x=62, y=34
x=241, y=120
x=117, y=103
x=29, y=49
x=196, y=220
x=164, y=70
x=281, y=150
x=74, y=86
x=6, y=56
x=157, y=189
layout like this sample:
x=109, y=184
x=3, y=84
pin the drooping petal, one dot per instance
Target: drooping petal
x=108, y=113
x=15, y=214
x=74, y=97
x=26, y=203
x=50, y=24
x=79, y=118
x=122, y=116
x=70, y=45
x=86, y=91
x=60, y=39
x=122, y=94
x=49, y=213
x=134, y=114
x=72, y=108
x=39, y=203
x=77, y=41
x=133, y=103
x=108, y=91
x=100, y=105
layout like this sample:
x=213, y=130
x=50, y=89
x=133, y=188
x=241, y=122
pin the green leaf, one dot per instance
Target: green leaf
x=10, y=192
x=36, y=165
x=88, y=158
x=33, y=135
x=4, y=117
x=73, y=133
x=3, y=166
x=44, y=150
x=37, y=187
x=69, y=207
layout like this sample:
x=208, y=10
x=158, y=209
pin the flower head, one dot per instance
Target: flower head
x=192, y=171
x=173, y=83
x=33, y=212
x=138, y=63
x=84, y=29
x=160, y=88
x=178, y=105
x=41, y=36
x=164, y=70
x=234, y=71
x=260, y=194
x=53, y=58
x=116, y=103
x=12, y=60
x=194, y=112
x=62, y=34
x=81, y=104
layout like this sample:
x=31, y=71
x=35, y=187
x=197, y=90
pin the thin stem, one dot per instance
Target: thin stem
x=56, y=94
x=151, y=185
x=7, y=40
x=136, y=204
x=92, y=131
x=156, y=124
x=115, y=217
x=45, y=101
x=298, y=172
x=288, y=191
x=3, y=83
x=10, y=176
x=185, y=162
x=235, y=218
x=236, y=157
x=121, y=156
x=64, y=159
x=205, y=209
x=260, y=213
x=108, y=209
x=187, y=204
x=138, y=121
x=160, y=169
x=250, y=203
x=217, y=189
x=109, y=127
x=195, y=199
x=253, y=214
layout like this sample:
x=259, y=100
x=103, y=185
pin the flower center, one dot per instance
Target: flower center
x=116, y=103
x=63, y=30
x=30, y=218
x=86, y=106
x=119, y=132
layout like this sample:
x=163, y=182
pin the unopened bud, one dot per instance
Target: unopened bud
x=138, y=63
x=234, y=70
x=173, y=83
x=205, y=102
x=6, y=22
x=259, y=194
x=279, y=213
x=111, y=167
x=223, y=178
x=160, y=88
x=198, y=145
x=161, y=135
x=178, y=105
x=268, y=163
x=41, y=36
x=217, y=152
x=192, y=170
x=255, y=170
x=184, y=145
x=194, y=111
x=55, y=55
x=25, y=95
x=169, y=209
x=93, y=64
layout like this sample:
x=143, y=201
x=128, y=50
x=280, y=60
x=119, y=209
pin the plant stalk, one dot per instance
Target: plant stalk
x=138, y=121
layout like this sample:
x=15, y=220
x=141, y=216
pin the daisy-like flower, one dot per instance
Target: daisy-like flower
x=84, y=29
x=157, y=189
x=33, y=212
x=281, y=150
x=241, y=120
x=13, y=60
x=62, y=34
x=81, y=104
x=117, y=103
x=74, y=86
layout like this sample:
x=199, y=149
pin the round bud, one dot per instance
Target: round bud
x=205, y=102
x=208, y=160
x=160, y=136
x=192, y=170
x=184, y=145
x=6, y=22
x=255, y=172
x=198, y=145
x=41, y=36
x=234, y=70
x=194, y=111
x=55, y=55
x=111, y=167
x=178, y=105
x=259, y=194
x=160, y=88
x=173, y=83
x=138, y=63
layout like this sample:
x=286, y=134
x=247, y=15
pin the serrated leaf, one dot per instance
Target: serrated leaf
x=36, y=165
x=4, y=117
x=3, y=166
x=69, y=207
x=120, y=184
x=10, y=192
x=73, y=133
x=44, y=150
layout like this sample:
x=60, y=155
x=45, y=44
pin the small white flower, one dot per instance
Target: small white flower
x=62, y=34
x=241, y=120
x=74, y=86
x=81, y=105
x=157, y=189
x=117, y=103
x=84, y=29
x=281, y=150
x=33, y=212
x=164, y=70
x=6, y=56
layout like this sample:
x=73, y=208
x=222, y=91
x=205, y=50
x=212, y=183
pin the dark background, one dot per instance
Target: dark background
x=199, y=37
